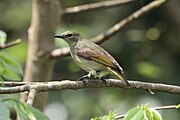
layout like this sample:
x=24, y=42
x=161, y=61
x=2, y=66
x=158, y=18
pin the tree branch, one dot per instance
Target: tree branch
x=114, y=29
x=16, y=89
x=74, y=85
x=31, y=96
x=155, y=108
x=95, y=6
x=44, y=21
x=10, y=44
x=60, y=52
x=165, y=107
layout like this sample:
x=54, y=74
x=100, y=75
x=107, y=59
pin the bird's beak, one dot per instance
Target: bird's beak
x=59, y=36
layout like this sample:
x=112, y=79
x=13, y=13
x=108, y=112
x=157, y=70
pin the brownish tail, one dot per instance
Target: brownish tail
x=121, y=76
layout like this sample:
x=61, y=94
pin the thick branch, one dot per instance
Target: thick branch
x=95, y=6
x=74, y=85
x=114, y=29
x=45, y=18
x=16, y=89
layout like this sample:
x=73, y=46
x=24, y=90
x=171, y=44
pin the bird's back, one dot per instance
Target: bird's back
x=98, y=52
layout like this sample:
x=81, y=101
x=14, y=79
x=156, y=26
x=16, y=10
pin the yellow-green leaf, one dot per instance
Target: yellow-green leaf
x=135, y=113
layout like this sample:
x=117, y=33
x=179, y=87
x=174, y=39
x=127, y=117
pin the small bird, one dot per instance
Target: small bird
x=91, y=57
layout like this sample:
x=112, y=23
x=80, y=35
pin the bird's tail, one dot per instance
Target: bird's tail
x=121, y=76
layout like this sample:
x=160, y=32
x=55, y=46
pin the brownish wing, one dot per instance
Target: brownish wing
x=99, y=55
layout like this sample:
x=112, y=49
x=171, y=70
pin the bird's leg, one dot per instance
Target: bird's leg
x=84, y=77
x=103, y=81
x=101, y=78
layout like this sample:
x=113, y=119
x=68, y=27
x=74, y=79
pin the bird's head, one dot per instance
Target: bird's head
x=70, y=36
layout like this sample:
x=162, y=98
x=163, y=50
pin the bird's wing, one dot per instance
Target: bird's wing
x=99, y=55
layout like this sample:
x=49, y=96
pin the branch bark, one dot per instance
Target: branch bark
x=60, y=52
x=74, y=85
x=114, y=29
x=95, y=6
x=45, y=18
x=31, y=96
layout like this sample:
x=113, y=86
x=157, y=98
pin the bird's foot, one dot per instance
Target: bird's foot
x=85, y=81
x=83, y=78
x=103, y=82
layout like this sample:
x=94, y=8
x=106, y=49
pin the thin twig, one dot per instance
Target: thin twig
x=74, y=85
x=31, y=96
x=60, y=52
x=10, y=44
x=165, y=107
x=119, y=117
x=114, y=29
x=152, y=93
x=95, y=6
x=155, y=108
x=117, y=27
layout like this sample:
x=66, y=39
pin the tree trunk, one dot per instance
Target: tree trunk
x=45, y=18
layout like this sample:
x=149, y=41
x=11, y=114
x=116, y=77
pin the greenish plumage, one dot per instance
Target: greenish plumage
x=91, y=57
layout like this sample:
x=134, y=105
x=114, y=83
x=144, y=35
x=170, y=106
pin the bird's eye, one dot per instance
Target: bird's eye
x=69, y=35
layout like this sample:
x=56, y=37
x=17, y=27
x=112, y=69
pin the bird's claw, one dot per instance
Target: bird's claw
x=103, y=82
x=83, y=79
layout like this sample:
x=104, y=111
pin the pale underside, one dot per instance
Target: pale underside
x=94, y=68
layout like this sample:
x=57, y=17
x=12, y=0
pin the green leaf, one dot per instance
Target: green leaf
x=16, y=105
x=1, y=68
x=156, y=115
x=3, y=37
x=151, y=114
x=10, y=70
x=39, y=115
x=135, y=113
x=21, y=49
x=24, y=111
x=10, y=75
x=110, y=116
x=178, y=106
x=9, y=61
x=4, y=112
x=148, y=114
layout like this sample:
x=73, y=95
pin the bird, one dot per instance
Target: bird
x=91, y=57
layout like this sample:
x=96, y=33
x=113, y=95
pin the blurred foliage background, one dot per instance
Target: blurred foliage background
x=148, y=49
